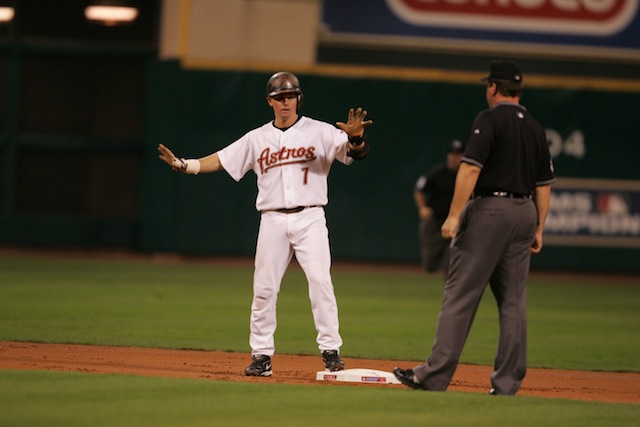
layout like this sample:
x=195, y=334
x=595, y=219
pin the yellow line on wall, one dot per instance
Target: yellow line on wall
x=416, y=74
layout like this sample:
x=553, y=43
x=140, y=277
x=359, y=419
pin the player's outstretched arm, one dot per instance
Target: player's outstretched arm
x=210, y=163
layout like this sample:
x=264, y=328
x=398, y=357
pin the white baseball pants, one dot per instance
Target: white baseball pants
x=280, y=236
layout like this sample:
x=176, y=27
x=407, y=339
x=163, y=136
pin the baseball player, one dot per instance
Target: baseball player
x=496, y=220
x=291, y=157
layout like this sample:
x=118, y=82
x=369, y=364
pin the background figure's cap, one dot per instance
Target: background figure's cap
x=456, y=147
x=504, y=70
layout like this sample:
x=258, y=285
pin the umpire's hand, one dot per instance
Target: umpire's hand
x=449, y=227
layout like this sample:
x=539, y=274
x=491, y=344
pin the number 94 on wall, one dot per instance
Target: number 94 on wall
x=573, y=146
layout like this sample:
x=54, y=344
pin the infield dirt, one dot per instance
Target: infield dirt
x=292, y=369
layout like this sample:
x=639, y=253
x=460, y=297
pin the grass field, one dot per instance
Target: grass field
x=573, y=324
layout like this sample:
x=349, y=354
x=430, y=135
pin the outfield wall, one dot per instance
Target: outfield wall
x=73, y=179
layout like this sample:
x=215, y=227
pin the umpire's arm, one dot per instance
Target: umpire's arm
x=542, y=199
x=466, y=180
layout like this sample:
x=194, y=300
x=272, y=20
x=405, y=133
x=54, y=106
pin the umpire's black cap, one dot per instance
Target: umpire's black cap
x=504, y=70
x=456, y=147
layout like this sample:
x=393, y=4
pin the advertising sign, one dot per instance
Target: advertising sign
x=588, y=212
x=596, y=27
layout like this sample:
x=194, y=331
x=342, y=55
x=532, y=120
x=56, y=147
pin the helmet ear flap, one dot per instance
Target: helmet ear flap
x=300, y=96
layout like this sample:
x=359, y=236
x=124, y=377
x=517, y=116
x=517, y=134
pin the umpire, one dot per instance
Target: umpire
x=496, y=221
x=432, y=194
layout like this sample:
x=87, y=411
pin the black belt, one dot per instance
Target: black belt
x=292, y=210
x=479, y=194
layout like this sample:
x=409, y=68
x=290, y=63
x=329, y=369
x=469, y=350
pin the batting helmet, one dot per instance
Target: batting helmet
x=284, y=82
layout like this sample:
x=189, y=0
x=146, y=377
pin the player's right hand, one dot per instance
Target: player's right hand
x=169, y=158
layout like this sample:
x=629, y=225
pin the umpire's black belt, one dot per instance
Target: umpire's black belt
x=292, y=210
x=479, y=194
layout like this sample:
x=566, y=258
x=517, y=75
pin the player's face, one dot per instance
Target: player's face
x=284, y=105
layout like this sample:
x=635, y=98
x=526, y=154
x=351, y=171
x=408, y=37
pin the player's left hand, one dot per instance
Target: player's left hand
x=355, y=123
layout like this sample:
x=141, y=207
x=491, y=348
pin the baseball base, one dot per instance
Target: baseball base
x=368, y=376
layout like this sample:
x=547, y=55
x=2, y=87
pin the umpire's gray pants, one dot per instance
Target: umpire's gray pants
x=491, y=246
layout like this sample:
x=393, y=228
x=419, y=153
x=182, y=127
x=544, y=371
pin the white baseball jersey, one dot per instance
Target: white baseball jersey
x=291, y=165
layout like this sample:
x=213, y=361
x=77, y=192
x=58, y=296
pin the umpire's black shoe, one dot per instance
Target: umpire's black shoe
x=332, y=360
x=406, y=377
x=260, y=367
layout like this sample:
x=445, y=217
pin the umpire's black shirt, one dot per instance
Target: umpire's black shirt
x=511, y=148
x=437, y=185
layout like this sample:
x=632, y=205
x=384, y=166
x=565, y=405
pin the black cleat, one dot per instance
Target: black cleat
x=406, y=377
x=260, y=367
x=332, y=360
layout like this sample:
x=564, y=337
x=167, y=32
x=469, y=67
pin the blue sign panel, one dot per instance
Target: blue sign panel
x=602, y=27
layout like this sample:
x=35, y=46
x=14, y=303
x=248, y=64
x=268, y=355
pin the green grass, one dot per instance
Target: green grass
x=124, y=303
x=573, y=324
x=52, y=399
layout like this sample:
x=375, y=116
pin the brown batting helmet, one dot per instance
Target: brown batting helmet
x=284, y=82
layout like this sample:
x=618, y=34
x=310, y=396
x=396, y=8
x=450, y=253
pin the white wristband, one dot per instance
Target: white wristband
x=193, y=166
x=189, y=166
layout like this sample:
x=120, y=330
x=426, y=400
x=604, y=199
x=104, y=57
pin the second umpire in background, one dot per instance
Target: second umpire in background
x=496, y=221
x=432, y=194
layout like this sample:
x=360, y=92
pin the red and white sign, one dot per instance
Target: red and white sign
x=586, y=17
